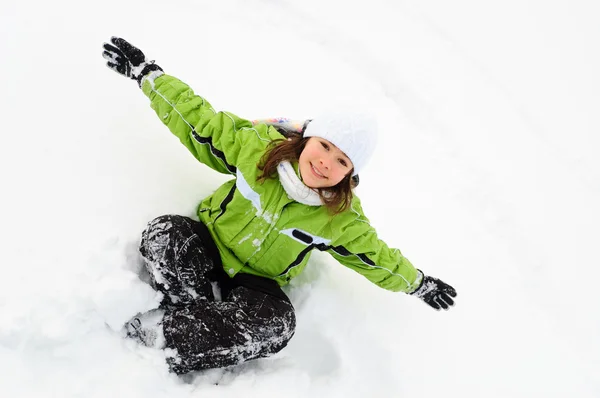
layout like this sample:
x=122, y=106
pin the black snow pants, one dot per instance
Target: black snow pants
x=253, y=319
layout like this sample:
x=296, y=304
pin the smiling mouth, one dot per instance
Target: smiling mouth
x=316, y=172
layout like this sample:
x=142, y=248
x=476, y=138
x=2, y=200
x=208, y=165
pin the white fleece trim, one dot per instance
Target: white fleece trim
x=295, y=188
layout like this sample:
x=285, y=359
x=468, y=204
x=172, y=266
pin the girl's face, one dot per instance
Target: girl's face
x=322, y=164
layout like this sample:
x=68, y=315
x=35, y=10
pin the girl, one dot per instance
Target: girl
x=256, y=232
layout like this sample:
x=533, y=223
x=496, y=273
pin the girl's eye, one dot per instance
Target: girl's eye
x=325, y=145
x=343, y=162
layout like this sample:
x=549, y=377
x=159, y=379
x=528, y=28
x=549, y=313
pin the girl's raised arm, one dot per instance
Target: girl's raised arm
x=217, y=139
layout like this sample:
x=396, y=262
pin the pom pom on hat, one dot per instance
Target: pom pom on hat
x=353, y=133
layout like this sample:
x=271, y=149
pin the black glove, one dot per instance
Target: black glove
x=127, y=60
x=435, y=292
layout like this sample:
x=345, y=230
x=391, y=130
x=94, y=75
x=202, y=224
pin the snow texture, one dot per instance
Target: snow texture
x=486, y=176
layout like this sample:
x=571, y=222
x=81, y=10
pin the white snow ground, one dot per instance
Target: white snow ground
x=486, y=177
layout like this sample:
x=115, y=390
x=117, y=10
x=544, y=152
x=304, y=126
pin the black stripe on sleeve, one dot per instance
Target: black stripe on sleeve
x=216, y=153
x=342, y=251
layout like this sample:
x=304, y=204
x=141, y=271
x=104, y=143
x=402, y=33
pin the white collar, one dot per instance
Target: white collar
x=294, y=187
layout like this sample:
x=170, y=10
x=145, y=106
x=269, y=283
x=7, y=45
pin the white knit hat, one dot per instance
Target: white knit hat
x=353, y=133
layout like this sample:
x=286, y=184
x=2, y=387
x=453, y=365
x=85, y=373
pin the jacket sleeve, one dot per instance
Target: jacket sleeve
x=359, y=249
x=216, y=139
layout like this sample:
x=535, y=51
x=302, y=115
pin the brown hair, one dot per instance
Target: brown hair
x=337, y=198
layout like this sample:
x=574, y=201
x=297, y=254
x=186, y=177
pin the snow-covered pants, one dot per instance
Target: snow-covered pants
x=254, y=319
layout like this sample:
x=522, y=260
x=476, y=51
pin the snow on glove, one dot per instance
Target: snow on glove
x=128, y=60
x=435, y=293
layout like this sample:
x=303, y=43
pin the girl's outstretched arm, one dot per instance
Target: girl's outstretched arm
x=359, y=248
x=218, y=139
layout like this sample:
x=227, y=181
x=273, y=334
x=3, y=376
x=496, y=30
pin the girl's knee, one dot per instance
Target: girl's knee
x=158, y=235
x=289, y=326
x=167, y=222
x=283, y=321
x=163, y=226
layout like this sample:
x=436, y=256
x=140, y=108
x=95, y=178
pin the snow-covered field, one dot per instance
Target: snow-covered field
x=486, y=177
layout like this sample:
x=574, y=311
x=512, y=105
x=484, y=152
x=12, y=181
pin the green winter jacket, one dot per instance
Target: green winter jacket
x=257, y=227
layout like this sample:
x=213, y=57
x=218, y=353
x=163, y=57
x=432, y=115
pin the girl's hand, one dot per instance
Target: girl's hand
x=435, y=293
x=127, y=59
